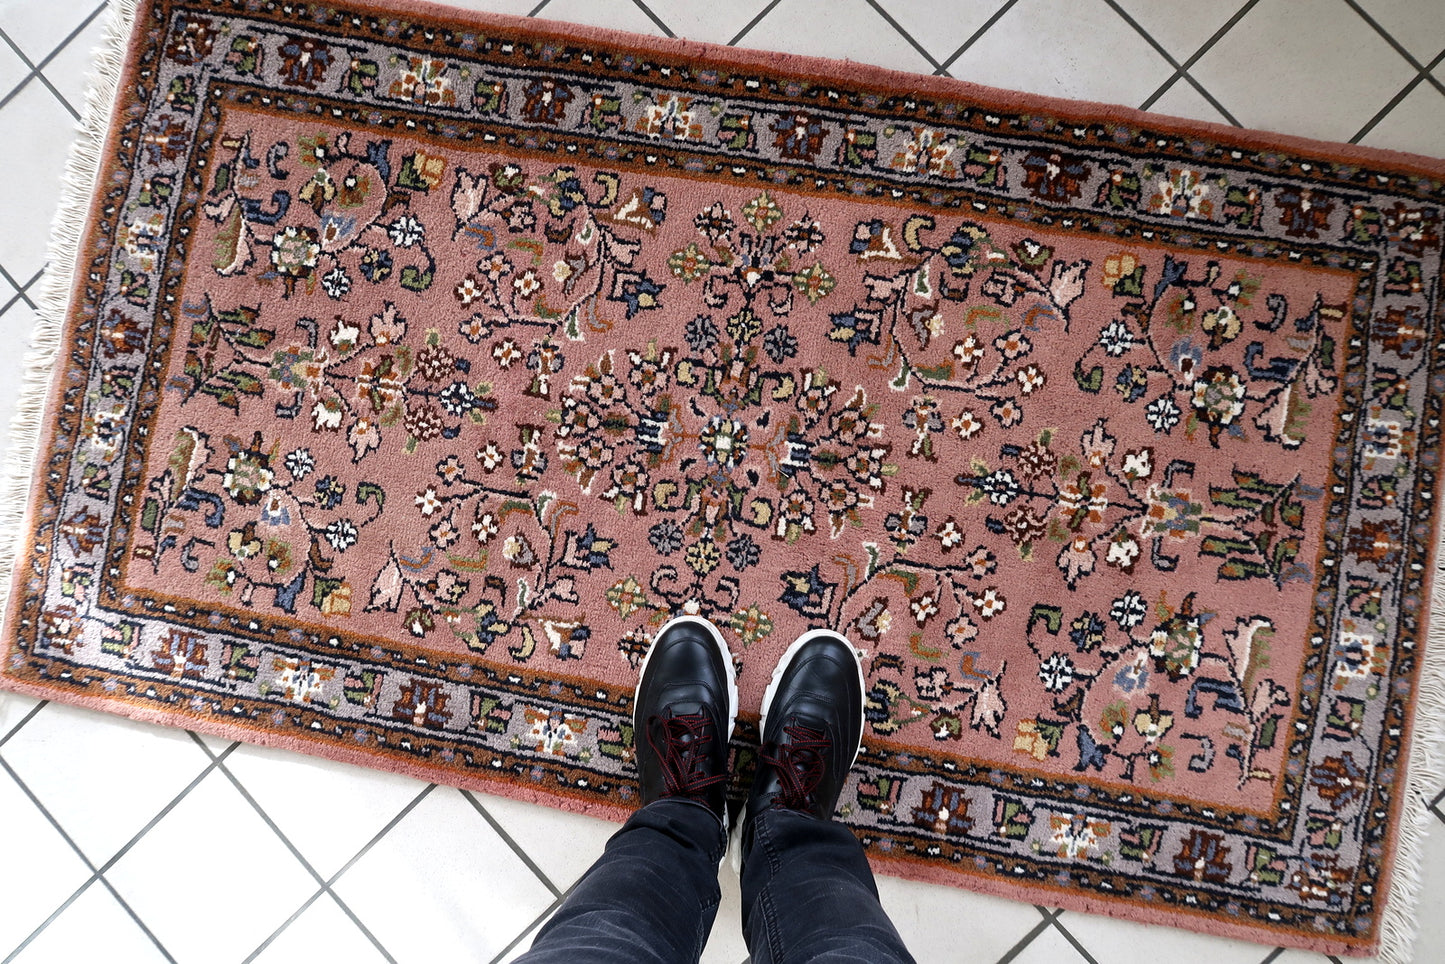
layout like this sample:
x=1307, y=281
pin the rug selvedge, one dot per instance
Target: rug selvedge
x=714, y=239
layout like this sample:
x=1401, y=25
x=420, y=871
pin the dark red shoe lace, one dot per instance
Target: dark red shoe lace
x=799, y=765
x=684, y=754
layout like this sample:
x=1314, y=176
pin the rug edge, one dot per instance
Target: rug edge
x=862, y=72
x=68, y=230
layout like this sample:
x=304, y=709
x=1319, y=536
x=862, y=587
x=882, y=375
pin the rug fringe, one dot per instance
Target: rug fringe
x=67, y=232
x=1426, y=774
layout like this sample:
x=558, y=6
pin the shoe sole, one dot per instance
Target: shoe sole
x=735, y=839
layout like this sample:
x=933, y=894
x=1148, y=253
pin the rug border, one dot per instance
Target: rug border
x=70, y=234
x=855, y=73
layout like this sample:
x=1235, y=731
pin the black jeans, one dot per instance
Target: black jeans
x=807, y=894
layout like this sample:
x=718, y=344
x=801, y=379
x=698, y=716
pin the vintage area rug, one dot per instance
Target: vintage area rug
x=419, y=365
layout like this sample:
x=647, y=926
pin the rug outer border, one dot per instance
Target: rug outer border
x=70, y=235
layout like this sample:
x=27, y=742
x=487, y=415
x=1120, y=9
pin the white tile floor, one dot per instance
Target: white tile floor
x=113, y=831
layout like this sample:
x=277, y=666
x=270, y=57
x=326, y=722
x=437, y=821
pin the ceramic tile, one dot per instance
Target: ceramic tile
x=1064, y=49
x=94, y=928
x=856, y=32
x=563, y=845
x=1181, y=26
x=1418, y=25
x=714, y=22
x=70, y=72
x=211, y=867
x=35, y=136
x=525, y=943
x=443, y=886
x=613, y=14
x=1309, y=67
x=323, y=932
x=52, y=870
x=38, y=27
x=1125, y=942
x=1183, y=99
x=14, y=707
x=941, y=26
x=1417, y=124
x=725, y=945
x=1052, y=947
x=927, y=917
x=328, y=810
x=103, y=777
x=1430, y=941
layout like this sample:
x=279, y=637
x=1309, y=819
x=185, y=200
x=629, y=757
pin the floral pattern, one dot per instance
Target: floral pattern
x=432, y=378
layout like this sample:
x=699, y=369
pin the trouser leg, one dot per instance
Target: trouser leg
x=808, y=895
x=649, y=899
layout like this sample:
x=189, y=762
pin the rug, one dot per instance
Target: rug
x=419, y=365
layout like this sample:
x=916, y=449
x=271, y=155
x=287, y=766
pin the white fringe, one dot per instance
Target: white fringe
x=1426, y=775
x=67, y=231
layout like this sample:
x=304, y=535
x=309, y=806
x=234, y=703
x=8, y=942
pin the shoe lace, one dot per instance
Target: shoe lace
x=799, y=765
x=683, y=754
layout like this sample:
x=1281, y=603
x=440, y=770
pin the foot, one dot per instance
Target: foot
x=812, y=728
x=683, y=713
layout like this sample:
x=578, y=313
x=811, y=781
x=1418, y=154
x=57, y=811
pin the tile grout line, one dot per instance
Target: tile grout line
x=1027, y=939
x=286, y=841
x=552, y=908
x=22, y=293
x=1194, y=58
x=526, y=858
x=35, y=72
x=326, y=889
x=1390, y=39
x=38, y=69
x=1139, y=29
x=1395, y=101
x=1179, y=70
x=135, y=917
x=95, y=874
x=747, y=28
x=1084, y=951
x=641, y=5
x=305, y=904
x=987, y=26
x=932, y=62
x=28, y=717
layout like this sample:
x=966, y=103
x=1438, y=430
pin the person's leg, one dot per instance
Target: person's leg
x=808, y=895
x=807, y=891
x=653, y=894
x=651, y=897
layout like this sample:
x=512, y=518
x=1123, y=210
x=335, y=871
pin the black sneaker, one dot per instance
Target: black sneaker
x=812, y=729
x=683, y=713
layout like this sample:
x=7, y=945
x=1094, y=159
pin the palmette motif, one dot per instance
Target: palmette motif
x=422, y=374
